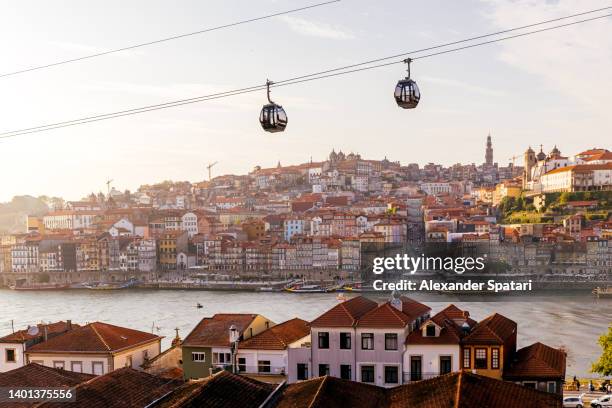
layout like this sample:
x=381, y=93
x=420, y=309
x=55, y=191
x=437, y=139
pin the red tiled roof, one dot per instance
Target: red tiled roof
x=123, y=388
x=52, y=329
x=537, y=361
x=345, y=314
x=467, y=390
x=95, y=337
x=412, y=308
x=383, y=316
x=450, y=319
x=278, y=337
x=332, y=392
x=495, y=329
x=222, y=390
x=214, y=331
x=35, y=375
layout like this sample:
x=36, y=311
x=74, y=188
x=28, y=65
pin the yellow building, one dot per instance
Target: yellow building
x=490, y=346
x=506, y=188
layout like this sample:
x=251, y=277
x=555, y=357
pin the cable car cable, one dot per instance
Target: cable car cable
x=256, y=88
x=161, y=40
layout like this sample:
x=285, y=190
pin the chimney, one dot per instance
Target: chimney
x=233, y=334
x=46, y=333
x=68, y=325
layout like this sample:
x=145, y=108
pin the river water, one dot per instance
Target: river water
x=574, y=321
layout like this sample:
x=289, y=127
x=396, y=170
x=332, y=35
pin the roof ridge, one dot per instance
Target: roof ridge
x=318, y=393
x=99, y=336
x=458, y=395
x=396, y=311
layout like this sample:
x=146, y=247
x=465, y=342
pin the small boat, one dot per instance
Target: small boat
x=110, y=285
x=603, y=292
x=199, y=306
x=355, y=287
x=46, y=286
x=306, y=289
x=266, y=289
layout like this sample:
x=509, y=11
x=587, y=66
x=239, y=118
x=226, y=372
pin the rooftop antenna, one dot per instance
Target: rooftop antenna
x=108, y=183
x=209, y=167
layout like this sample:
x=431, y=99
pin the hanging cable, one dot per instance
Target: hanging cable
x=290, y=81
x=162, y=40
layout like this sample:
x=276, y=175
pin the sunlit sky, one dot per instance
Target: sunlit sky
x=551, y=88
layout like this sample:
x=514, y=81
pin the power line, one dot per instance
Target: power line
x=291, y=81
x=175, y=37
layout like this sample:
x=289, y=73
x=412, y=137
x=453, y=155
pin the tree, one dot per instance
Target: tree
x=604, y=365
x=564, y=198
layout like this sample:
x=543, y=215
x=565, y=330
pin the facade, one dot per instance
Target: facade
x=211, y=345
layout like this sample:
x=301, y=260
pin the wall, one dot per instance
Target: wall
x=86, y=360
x=138, y=357
x=19, y=357
x=379, y=357
x=430, y=354
x=192, y=369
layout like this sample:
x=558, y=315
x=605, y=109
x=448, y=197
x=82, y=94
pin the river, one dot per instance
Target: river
x=574, y=321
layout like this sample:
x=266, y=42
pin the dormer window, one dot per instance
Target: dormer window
x=430, y=330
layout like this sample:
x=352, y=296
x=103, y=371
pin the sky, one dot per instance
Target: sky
x=550, y=88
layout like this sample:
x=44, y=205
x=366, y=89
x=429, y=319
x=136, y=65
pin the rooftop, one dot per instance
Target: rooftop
x=278, y=337
x=214, y=331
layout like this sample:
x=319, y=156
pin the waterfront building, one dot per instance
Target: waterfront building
x=96, y=348
x=211, y=345
x=490, y=346
x=277, y=354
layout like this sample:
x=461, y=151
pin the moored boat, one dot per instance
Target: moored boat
x=46, y=286
x=306, y=289
x=603, y=292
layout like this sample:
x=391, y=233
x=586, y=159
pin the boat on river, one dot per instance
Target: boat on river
x=603, y=292
x=42, y=286
x=307, y=289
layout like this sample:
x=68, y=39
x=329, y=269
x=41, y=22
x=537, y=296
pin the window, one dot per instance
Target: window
x=323, y=370
x=323, y=340
x=445, y=364
x=345, y=372
x=390, y=341
x=367, y=341
x=241, y=364
x=391, y=374
x=263, y=366
x=58, y=364
x=198, y=357
x=495, y=358
x=430, y=330
x=302, y=371
x=145, y=355
x=128, y=361
x=11, y=356
x=367, y=374
x=222, y=358
x=345, y=341
x=551, y=386
x=467, y=358
x=97, y=368
x=480, y=358
x=530, y=384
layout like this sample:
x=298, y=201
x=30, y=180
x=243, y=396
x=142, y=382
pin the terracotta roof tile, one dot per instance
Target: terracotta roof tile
x=467, y=390
x=52, y=329
x=495, y=329
x=278, y=337
x=35, y=375
x=345, y=314
x=537, y=361
x=222, y=390
x=384, y=315
x=95, y=337
x=123, y=388
x=214, y=331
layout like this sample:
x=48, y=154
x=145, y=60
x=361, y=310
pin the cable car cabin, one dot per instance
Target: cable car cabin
x=407, y=94
x=273, y=118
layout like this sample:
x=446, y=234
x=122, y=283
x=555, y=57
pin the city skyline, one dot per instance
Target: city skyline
x=465, y=95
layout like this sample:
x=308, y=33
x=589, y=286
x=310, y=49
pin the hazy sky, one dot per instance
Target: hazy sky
x=551, y=88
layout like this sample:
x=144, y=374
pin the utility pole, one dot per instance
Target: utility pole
x=108, y=183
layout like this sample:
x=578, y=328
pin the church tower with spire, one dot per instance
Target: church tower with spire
x=489, y=152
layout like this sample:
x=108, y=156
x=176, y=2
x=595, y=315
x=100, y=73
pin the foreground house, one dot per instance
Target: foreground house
x=490, y=346
x=35, y=375
x=269, y=354
x=14, y=345
x=211, y=345
x=435, y=348
x=538, y=366
x=97, y=348
x=363, y=341
x=462, y=389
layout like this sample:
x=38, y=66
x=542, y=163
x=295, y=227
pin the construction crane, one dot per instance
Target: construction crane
x=209, y=167
x=513, y=158
x=108, y=183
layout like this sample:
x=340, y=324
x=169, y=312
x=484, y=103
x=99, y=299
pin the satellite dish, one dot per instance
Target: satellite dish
x=33, y=330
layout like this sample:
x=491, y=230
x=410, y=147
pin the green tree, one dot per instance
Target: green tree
x=564, y=198
x=603, y=366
